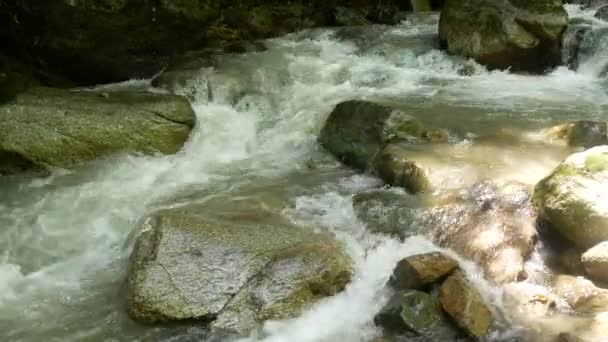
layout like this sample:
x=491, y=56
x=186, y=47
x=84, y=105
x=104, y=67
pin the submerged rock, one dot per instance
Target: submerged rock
x=572, y=200
x=595, y=262
x=491, y=225
x=582, y=133
x=44, y=127
x=461, y=300
x=234, y=270
x=417, y=312
x=418, y=271
x=367, y=135
x=581, y=294
x=517, y=34
x=388, y=211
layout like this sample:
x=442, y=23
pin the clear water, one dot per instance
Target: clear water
x=64, y=239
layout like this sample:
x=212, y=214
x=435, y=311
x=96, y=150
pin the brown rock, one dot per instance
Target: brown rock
x=418, y=271
x=461, y=300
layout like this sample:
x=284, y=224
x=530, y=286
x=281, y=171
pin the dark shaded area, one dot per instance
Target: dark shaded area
x=101, y=41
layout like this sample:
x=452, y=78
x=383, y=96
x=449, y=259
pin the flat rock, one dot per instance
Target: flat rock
x=231, y=269
x=46, y=128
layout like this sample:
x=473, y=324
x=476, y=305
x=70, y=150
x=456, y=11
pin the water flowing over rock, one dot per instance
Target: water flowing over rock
x=518, y=35
x=572, y=200
x=235, y=270
x=417, y=312
x=595, y=262
x=493, y=226
x=462, y=301
x=45, y=128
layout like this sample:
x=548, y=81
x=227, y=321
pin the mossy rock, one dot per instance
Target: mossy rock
x=519, y=35
x=371, y=136
x=571, y=199
x=46, y=128
x=394, y=166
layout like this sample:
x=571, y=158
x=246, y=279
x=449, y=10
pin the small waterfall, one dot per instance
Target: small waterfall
x=586, y=42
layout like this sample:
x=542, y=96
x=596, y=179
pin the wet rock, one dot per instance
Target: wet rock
x=233, y=268
x=44, y=127
x=394, y=167
x=461, y=300
x=515, y=34
x=526, y=304
x=417, y=312
x=387, y=211
x=495, y=226
x=419, y=271
x=595, y=262
x=582, y=133
x=571, y=198
x=367, y=135
x=581, y=294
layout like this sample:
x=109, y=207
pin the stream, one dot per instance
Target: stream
x=65, y=239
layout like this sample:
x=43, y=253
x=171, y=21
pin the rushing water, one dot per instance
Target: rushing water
x=64, y=239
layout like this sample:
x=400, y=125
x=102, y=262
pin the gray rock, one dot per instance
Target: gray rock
x=516, y=34
x=571, y=199
x=47, y=127
x=233, y=269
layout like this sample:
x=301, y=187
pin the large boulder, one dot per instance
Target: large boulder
x=371, y=136
x=572, y=198
x=232, y=268
x=45, y=128
x=99, y=41
x=518, y=34
x=595, y=262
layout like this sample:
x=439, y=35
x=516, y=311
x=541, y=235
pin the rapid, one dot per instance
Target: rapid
x=65, y=239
